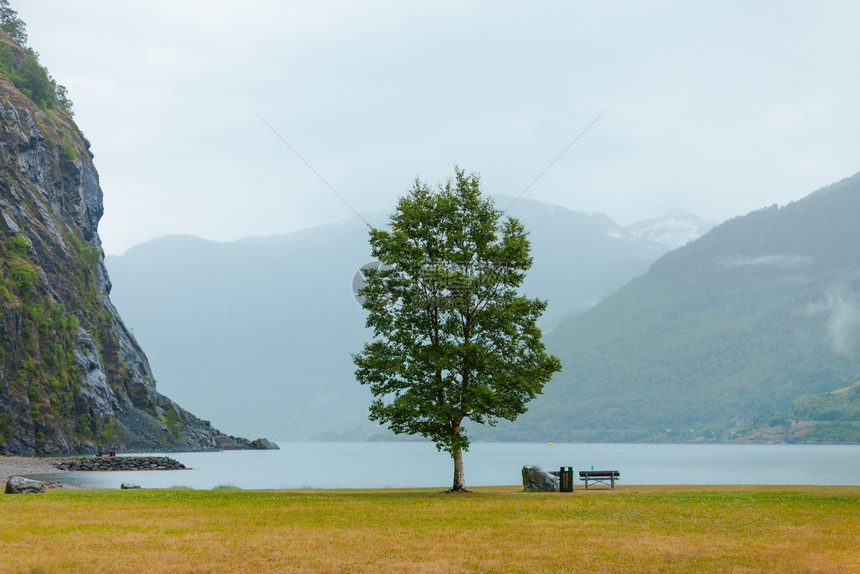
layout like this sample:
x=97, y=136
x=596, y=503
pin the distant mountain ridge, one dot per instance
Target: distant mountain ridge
x=250, y=332
x=720, y=337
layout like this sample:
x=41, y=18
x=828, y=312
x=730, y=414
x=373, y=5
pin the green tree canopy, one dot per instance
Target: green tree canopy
x=12, y=24
x=454, y=340
x=21, y=65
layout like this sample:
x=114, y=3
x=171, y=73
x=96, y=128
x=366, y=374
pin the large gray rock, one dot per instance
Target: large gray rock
x=537, y=479
x=21, y=485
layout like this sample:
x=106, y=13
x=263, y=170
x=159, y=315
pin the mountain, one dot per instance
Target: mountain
x=258, y=333
x=673, y=230
x=72, y=377
x=720, y=338
x=582, y=257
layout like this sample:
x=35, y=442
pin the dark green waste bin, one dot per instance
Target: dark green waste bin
x=565, y=479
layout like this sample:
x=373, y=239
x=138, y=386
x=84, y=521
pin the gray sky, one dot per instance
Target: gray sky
x=716, y=108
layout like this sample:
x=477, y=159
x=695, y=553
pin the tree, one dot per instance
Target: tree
x=12, y=24
x=33, y=82
x=454, y=341
x=21, y=65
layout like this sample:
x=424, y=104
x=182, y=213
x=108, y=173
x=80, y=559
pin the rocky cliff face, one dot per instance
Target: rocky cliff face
x=72, y=377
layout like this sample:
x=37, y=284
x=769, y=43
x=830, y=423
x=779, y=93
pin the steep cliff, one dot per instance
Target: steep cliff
x=72, y=377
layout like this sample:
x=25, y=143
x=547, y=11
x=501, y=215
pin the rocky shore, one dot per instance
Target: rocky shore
x=28, y=466
x=101, y=463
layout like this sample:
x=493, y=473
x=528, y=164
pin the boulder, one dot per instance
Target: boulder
x=128, y=486
x=21, y=485
x=536, y=479
x=264, y=444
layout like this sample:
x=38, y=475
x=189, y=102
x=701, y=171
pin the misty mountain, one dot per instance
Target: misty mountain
x=258, y=333
x=720, y=337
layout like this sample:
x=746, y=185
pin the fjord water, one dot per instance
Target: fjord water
x=418, y=464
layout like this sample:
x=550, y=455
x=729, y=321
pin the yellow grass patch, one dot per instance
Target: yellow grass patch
x=497, y=529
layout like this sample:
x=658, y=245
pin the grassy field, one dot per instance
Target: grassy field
x=498, y=529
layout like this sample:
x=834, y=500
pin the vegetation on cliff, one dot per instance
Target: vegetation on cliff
x=39, y=343
x=20, y=64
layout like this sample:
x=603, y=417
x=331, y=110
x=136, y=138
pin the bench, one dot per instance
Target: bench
x=599, y=477
x=103, y=452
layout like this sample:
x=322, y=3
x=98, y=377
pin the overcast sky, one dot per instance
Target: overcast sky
x=716, y=108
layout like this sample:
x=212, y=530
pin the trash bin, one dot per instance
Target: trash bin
x=565, y=479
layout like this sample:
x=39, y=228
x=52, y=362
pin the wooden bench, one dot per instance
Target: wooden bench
x=607, y=477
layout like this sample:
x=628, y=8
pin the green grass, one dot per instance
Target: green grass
x=499, y=529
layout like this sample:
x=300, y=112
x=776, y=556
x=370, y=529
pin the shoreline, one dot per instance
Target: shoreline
x=36, y=466
x=29, y=465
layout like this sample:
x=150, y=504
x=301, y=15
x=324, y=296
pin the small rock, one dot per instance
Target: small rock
x=128, y=486
x=263, y=444
x=537, y=479
x=21, y=485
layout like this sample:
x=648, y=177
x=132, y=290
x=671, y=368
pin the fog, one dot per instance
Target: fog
x=714, y=108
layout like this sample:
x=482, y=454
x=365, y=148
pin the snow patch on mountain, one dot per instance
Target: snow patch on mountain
x=673, y=230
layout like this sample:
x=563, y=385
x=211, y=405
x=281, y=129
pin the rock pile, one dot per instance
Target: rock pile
x=121, y=463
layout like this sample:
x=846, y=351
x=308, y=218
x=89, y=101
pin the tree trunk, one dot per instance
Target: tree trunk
x=459, y=478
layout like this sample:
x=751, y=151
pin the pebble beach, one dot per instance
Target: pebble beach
x=23, y=466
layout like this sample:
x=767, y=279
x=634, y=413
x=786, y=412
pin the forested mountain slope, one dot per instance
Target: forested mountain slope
x=719, y=337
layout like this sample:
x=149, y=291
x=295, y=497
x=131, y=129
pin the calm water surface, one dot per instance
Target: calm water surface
x=418, y=464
